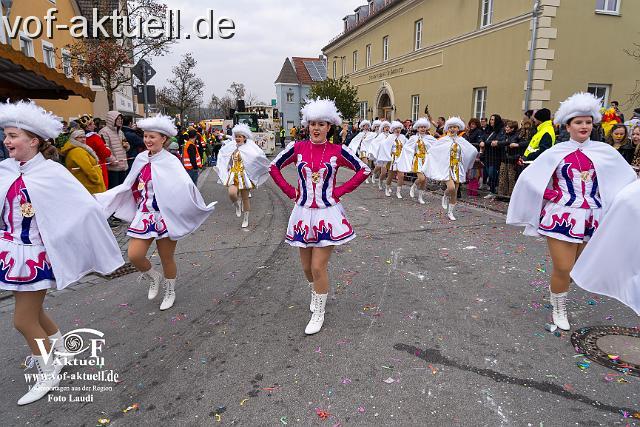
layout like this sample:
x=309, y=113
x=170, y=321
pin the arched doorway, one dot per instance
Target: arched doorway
x=384, y=102
x=385, y=107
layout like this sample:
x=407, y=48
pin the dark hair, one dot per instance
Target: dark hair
x=45, y=147
x=442, y=118
x=192, y=133
x=512, y=124
x=498, y=124
x=127, y=120
x=474, y=121
x=616, y=103
x=484, y=119
x=615, y=128
x=528, y=113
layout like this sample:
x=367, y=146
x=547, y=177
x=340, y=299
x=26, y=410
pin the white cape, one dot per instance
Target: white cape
x=255, y=162
x=75, y=233
x=180, y=202
x=609, y=263
x=438, y=164
x=613, y=173
x=377, y=142
x=362, y=142
x=398, y=166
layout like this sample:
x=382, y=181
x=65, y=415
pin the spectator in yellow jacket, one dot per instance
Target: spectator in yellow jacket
x=82, y=162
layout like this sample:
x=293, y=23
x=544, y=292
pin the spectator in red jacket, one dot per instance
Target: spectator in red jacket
x=96, y=143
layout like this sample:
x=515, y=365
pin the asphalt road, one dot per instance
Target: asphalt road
x=429, y=323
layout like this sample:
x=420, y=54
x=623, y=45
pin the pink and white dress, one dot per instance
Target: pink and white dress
x=148, y=222
x=572, y=209
x=318, y=218
x=24, y=264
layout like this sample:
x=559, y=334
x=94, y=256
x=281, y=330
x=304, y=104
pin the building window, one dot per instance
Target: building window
x=26, y=45
x=66, y=63
x=49, y=54
x=355, y=61
x=372, y=7
x=95, y=81
x=415, y=107
x=608, y=6
x=600, y=91
x=290, y=97
x=479, y=102
x=385, y=48
x=334, y=69
x=418, y=35
x=364, y=106
x=344, y=65
x=368, y=55
x=486, y=14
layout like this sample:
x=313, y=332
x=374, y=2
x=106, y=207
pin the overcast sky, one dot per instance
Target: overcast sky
x=267, y=32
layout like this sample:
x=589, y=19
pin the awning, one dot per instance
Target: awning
x=22, y=77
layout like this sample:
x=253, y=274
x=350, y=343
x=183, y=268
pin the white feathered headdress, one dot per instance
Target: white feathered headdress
x=395, y=125
x=423, y=121
x=242, y=129
x=161, y=124
x=384, y=124
x=454, y=121
x=376, y=123
x=29, y=116
x=578, y=105
x=321, y=110
x=364, y=123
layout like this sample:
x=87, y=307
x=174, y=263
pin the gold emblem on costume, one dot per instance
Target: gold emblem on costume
x=27, y=210
x=140, y=185
x=585, y=176
x=315, y=177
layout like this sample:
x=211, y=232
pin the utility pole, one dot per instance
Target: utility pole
x=144, y=88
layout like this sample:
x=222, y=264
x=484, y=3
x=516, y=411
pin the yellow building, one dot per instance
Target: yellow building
x=84, y=95
x=471, y=57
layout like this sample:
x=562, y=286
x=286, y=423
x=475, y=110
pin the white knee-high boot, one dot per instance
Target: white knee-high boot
x=317, y=318
x=155, y=277
x=450, y=212
x=169, y=294
x=47, y=378
x=559, y=303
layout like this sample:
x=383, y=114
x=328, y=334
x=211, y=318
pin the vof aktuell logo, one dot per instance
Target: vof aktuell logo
x=81, y=348
x=74, y=346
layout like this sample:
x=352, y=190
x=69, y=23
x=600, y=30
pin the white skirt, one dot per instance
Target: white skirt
x=148, y=225
x=573, y=225
x=312, y=228
x=25, y=267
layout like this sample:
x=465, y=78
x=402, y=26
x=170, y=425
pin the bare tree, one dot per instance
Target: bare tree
x=215, y=105
x=236, y=90
x=185, y=89
x=251, y=99
x=635, y=53
x=226, y=104
x=105, y=58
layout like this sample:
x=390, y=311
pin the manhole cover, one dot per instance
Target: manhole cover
x=128, y=268
x=615, y=347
